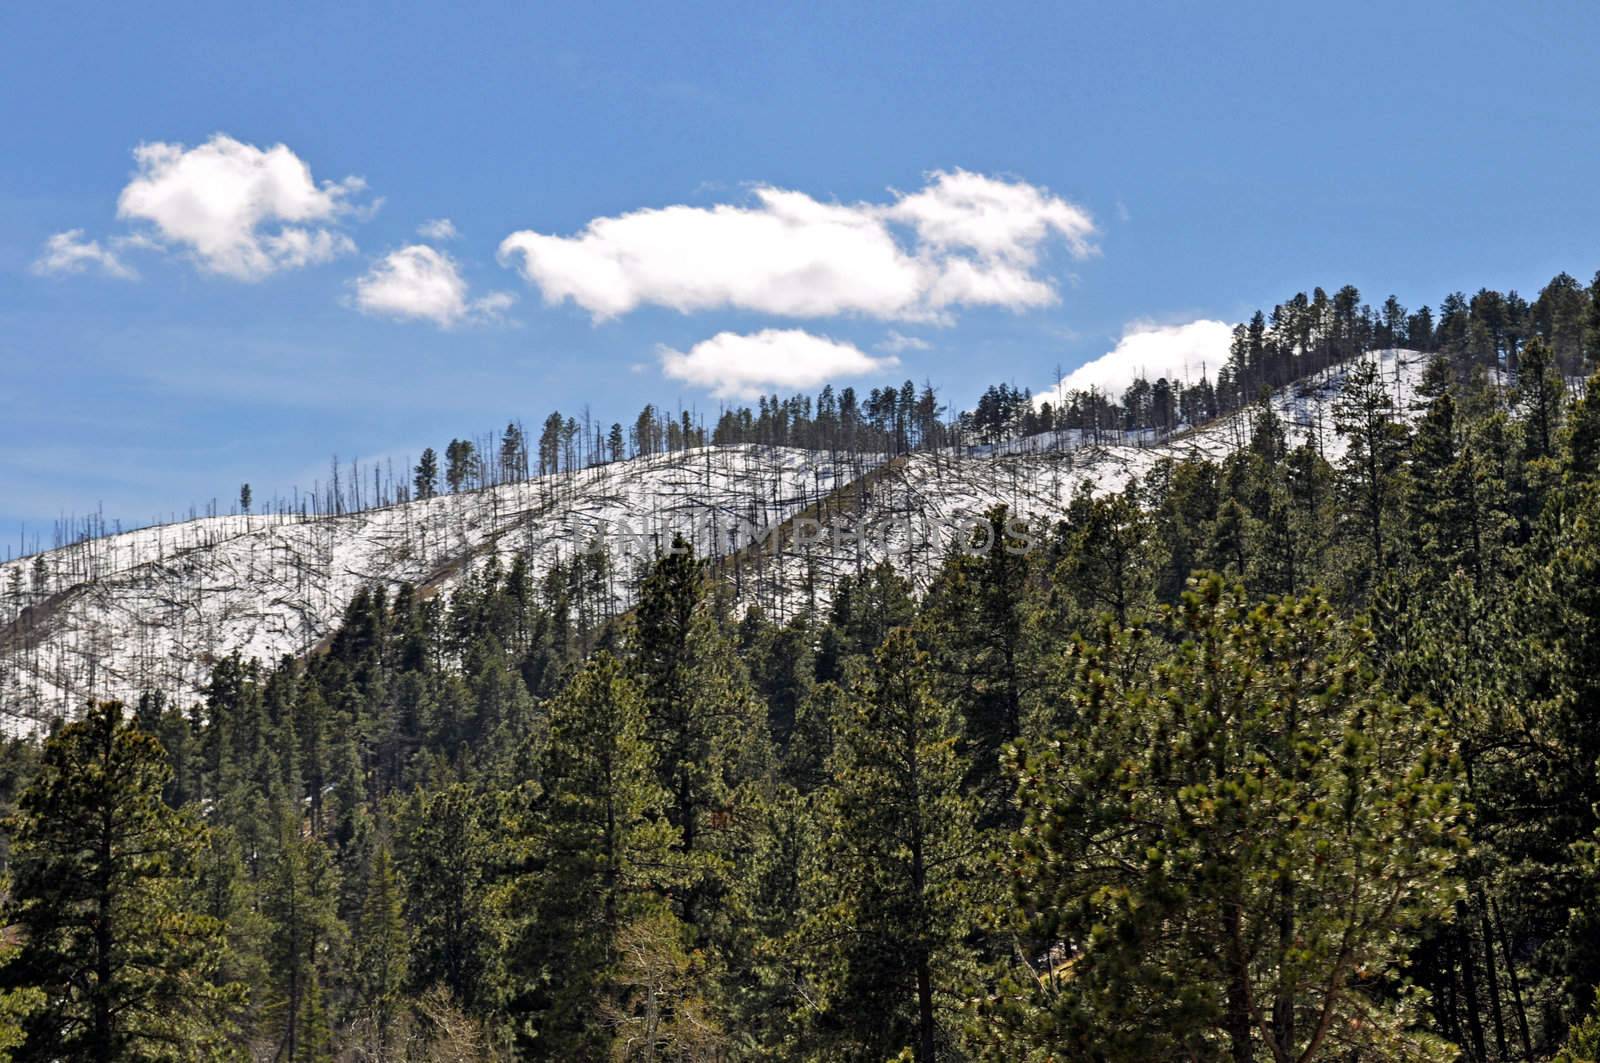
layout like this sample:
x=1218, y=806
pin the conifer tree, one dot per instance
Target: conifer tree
x=705, y=729
x=1581, y=451
x=1104, y=562
x=865, y=609
x=1440, y=483
x=1368, y=475
x=15, y=1006
x=381, y=950
x=513, y=454
x=900, y=856
x=425, y=479
x=974, y=618
x=1541, y=395
x=604, y=855
x=1591, y=331
x=300, y=894
x=1219, y=855
x=98, y=895
x=461, y=464
x=451, y=856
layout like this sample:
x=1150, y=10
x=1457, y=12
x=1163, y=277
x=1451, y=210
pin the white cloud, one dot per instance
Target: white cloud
x=999, y=220
x=493, y=305
x=69, y=252
x=896, y=342
x=1177, y=352
x=243, y=212
x=438, y=229
x=732, y=365
x=421, y=283
x=963, y=240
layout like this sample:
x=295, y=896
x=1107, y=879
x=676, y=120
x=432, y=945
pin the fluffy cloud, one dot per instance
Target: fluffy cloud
x=421, y=283
x=1177, y=352
x=963, y=240
x=1000, y=220
x=69, y=252
x=242, y=211
x=732, y=365
x=438, y=229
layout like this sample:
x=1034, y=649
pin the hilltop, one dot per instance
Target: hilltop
x=154, y=609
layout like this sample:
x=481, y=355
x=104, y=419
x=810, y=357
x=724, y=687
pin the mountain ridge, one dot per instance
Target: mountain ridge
x=152, y=609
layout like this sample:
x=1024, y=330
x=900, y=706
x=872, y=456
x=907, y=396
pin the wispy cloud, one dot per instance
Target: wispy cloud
x=69, y=252
x=438, y=229
x=896, y=342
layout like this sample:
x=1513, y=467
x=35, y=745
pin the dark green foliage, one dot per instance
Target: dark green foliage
x=451, y=854
x=101, y=898
x=300, y=890
x=425, y=478
x=604, y=859
x=899, y=870
x=1220, y=856
x=1369, y=481
x=509, y=822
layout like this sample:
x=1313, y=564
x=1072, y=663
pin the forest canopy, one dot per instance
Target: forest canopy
x=1268, y=757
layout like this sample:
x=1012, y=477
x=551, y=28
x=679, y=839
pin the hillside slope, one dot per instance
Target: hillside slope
x=919, y=502
x=153, y=609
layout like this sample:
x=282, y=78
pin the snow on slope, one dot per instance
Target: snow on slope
x=153, y=609
x=914, y=508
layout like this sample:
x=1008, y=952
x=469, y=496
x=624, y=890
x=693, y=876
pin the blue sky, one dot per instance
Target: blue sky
x=1011, y=187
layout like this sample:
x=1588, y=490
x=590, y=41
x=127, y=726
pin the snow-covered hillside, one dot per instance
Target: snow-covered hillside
x=913, y=507
x=152, y=609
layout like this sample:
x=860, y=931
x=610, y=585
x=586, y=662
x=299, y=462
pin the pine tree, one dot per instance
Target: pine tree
x=1434, y=501
x=425, y=479
x=782, y=668
x=381, y=950
x=461, y=465
x=702, y=721
x=451, y=856
x=1591, y=331
x=1104, y=561
x=975, y=619
x=513, y=454
x=99, y=867
x=604, y=856
x=900, y=862
x=1541, y=395
x=1225, y=854
x=1369, y=473
x=1582, y=444
x=299, y=900
x=15, y=1007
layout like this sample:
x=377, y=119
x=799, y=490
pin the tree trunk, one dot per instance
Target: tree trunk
x=1491, y=972
x=103, y=945
x=924, y=1012
x=1469, y=982
x=1516, y=983
x=1236, y=1016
